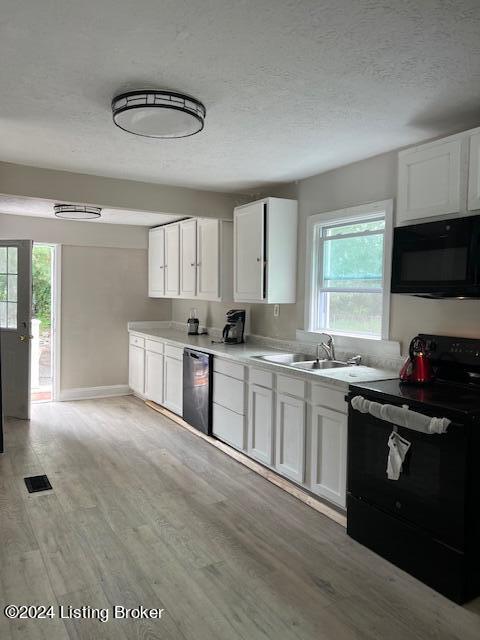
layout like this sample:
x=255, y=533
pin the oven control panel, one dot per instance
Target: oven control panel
x=464, y=351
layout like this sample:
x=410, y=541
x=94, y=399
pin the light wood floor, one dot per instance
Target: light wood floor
x=144, y=512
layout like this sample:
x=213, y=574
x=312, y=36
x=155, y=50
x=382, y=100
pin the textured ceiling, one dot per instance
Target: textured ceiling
x=37, y=208
x=292, y=87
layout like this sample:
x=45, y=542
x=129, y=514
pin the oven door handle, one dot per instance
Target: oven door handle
x=401, y=416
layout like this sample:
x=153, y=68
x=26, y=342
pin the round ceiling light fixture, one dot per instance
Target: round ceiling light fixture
x=77, y=211
x=158, y=114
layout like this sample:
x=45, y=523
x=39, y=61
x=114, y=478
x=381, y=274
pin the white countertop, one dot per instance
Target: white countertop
x=245, y=353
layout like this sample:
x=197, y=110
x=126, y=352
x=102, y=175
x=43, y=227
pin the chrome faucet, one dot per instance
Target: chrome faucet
x=328, y=347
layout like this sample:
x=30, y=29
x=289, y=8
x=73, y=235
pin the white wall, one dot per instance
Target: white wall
x=104, y=285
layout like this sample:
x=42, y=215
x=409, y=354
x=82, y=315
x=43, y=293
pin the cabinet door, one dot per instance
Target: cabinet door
x=260, y=424
x=154, y=376
x=329, y=454
x=173, y=384
x=474, y=173
x=229, y=426
x=172, y=260
x=290, y=437
x=136, y=369
x=208, y=259
x=156, y=263
x=188, y=258
x=429, y=181
x=249, y=253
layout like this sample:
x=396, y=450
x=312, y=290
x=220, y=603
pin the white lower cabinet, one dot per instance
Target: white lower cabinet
x=229, y=426
x=297, y=428
x=173, y=384
x=156, y=372
x=154, y=376
x=229, y=403
x=328, y=454
x=136, y=369
x=260, y=424
x=290, y=437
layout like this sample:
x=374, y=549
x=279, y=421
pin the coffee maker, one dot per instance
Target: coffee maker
x=235, y=327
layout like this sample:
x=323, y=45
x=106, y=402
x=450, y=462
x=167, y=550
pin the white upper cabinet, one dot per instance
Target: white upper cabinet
x=429, y=180
x=172, y=260
x=214, y=259
x=474, y=173
x=156, y=263
x=192, y=259
x=439, y=178
x=250, y=252
x=188, y=258
x=265, y=251
x=208, y=259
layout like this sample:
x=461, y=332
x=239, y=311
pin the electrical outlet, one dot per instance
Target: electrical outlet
x=276, y=310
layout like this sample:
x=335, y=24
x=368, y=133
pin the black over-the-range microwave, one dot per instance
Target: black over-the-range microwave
x=438, y=259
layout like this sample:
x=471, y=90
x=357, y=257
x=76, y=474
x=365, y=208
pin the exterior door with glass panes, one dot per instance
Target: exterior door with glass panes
x=15, y=325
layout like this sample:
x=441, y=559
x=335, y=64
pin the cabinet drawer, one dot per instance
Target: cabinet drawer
x=291, y=386
x=153, y=345
x=229, y=426
x=228, y=368
x=174, y=352
x=329, y=398
x=229, y=392
x=260, y=377
x=137, y=342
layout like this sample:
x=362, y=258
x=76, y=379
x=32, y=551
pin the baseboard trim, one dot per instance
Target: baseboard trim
x=271, y=476
x=86, y=393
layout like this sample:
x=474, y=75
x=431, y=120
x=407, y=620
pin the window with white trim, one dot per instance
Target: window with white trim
x=349, y=271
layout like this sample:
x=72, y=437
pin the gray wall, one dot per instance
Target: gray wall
x=103, y=288
x=362, y=182
x=63, y=186
x=104, y=285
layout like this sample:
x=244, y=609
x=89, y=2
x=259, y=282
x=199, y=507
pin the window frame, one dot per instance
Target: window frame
x=8, y=274
x=314, y=262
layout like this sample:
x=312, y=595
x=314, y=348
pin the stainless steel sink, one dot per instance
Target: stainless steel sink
x=315, y=365
x=285, y=358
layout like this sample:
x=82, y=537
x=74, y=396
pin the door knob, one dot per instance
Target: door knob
x=25, y=338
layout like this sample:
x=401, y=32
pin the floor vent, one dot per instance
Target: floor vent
x=37, y=483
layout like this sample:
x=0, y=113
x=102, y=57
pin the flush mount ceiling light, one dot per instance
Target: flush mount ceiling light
x=77, y=211
x=158, y=114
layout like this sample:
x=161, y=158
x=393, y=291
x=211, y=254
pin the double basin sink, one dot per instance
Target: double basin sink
x=301, y=361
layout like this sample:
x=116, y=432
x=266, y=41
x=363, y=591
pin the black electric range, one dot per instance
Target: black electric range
x=426, y=521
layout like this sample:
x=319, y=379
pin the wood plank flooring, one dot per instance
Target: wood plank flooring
x=143, y=512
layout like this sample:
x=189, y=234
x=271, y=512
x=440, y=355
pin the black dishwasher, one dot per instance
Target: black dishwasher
x=197, y=389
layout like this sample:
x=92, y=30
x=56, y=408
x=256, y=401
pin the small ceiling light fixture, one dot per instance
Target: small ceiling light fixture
x=158, y=114
x=77, y=211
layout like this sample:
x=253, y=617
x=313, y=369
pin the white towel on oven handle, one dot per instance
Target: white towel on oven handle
x=397, y=450
x=401, y=416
